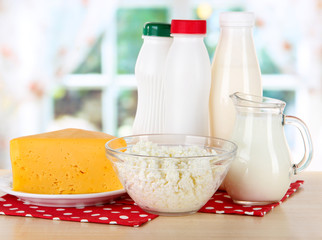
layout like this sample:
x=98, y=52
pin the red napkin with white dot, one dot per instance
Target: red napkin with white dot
x=222, y=203
x=124, y=211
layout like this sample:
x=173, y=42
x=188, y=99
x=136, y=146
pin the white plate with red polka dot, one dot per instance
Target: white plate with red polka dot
x=62, y=200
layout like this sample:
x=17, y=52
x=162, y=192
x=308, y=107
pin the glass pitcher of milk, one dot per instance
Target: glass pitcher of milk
x=263, y=169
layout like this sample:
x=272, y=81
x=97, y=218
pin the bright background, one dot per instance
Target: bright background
x=71, y=63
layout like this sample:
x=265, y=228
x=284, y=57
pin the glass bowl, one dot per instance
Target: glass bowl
x=170, y=174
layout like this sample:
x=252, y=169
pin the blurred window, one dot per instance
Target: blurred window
x=80, y=108
x=102, y=90
x=97, y=96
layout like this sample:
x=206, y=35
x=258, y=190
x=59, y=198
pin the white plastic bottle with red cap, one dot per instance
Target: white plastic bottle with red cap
x=187, y=79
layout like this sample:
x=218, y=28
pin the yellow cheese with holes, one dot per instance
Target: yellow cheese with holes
x=69, y=161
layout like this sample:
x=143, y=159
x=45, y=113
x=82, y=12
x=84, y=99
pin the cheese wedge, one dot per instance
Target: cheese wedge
x=69, y=161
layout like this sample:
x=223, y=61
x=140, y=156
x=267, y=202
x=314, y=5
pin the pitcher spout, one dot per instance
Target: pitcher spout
x=258, y=103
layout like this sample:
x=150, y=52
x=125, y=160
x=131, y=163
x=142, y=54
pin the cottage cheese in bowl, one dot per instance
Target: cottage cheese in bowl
x=172, y=179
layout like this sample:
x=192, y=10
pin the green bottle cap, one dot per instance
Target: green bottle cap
x=156, y=29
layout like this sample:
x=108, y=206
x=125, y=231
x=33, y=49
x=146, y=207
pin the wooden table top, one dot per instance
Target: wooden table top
x=300, y=217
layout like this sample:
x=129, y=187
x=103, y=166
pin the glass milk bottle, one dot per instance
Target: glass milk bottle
x=234, y=69
x=149, y=74
x=187, y=81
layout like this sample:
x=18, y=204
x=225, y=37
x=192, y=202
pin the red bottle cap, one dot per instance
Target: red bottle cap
x=189, y=26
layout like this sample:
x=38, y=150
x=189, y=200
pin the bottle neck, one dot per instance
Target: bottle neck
x=236, y=49
x=236, y=36
x=157, y=40
x=188, y=36
x=228, y=30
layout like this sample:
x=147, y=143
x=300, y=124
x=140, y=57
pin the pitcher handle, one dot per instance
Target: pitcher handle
x=307, y=140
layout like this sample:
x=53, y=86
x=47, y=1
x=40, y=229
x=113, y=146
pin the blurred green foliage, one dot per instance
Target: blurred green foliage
x=266, y=63
x=130, y=23
x=287, y=96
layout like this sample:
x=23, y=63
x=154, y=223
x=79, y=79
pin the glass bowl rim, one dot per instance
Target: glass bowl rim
x=220, y=156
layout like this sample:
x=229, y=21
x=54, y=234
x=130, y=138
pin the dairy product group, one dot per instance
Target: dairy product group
x=197, y=101
x=178, y=89
x=192, y=96
x=174, y=81
x=178, y=93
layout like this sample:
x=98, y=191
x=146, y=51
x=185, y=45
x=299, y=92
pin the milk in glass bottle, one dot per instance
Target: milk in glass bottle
x=149, y=74
x=234, y=69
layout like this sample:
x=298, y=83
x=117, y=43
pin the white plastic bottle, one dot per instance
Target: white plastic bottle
x=187, y=81
x=149, y=74
x=235, y=68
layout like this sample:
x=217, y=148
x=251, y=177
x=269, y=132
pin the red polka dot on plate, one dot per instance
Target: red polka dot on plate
x=103, y=218
x=143, y=215
x=123, y=217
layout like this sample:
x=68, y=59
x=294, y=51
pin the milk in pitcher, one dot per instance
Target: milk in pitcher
x=264, y=161
x=263, y=169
